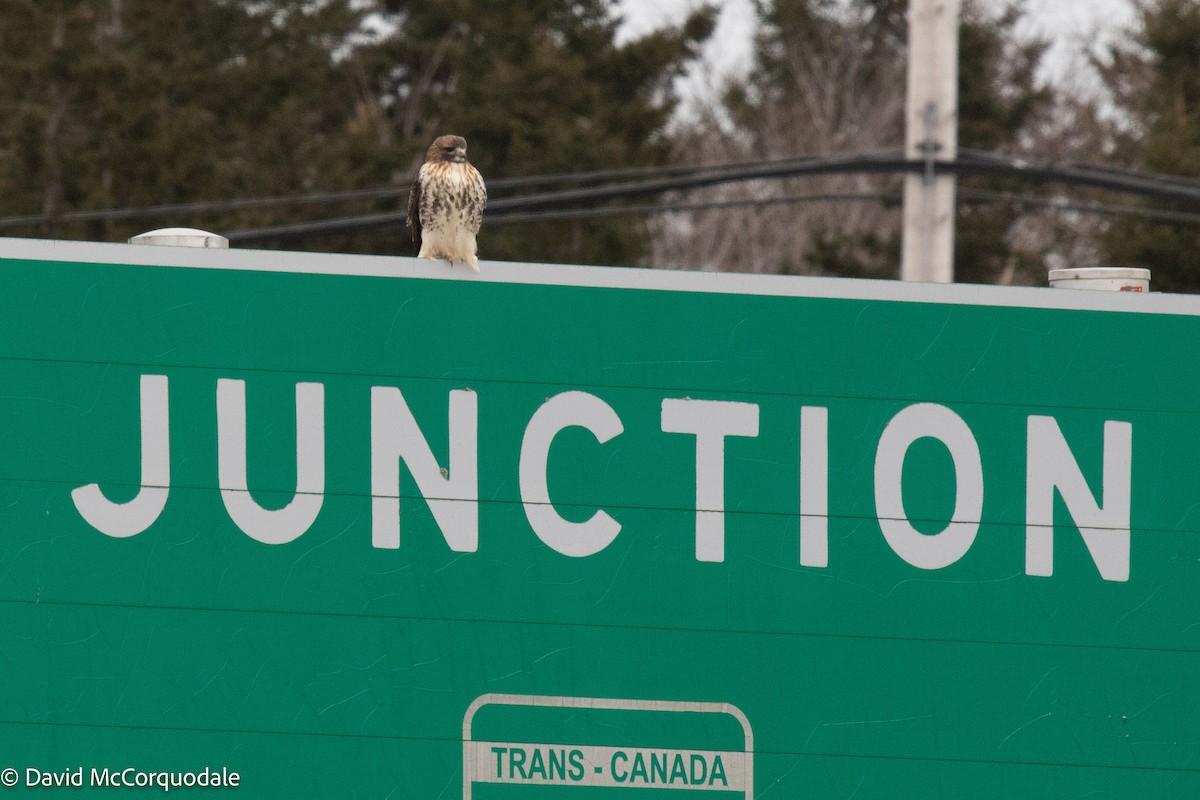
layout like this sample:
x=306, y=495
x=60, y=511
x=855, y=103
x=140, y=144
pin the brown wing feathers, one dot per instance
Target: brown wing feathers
x=414, y=211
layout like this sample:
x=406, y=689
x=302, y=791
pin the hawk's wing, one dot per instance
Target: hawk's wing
x=414, y=211
x=476, y=198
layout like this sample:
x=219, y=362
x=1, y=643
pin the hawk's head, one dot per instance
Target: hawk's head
x=447, y=148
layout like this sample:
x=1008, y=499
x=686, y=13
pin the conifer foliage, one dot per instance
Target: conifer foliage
x=129, y=103
x=1155, y=82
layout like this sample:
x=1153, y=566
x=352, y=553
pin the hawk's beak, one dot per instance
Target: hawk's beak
x=460, y=154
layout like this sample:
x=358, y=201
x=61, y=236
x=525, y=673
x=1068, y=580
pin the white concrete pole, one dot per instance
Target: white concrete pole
x=931, y=132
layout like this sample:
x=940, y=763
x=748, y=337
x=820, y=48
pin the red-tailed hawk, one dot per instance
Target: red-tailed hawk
x=445, y=206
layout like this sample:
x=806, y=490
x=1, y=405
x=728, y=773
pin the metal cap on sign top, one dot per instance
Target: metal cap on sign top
x=181, y=237
x=1111, y=279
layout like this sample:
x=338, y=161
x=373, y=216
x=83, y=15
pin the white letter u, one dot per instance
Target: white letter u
x=278, y=526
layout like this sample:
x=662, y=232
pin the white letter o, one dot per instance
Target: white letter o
x=928, y=551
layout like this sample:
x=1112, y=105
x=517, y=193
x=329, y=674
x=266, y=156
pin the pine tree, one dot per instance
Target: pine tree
x=537, y=87
x=1156, y=84
x=132, y=103
x=998, y=100
x=137, y=102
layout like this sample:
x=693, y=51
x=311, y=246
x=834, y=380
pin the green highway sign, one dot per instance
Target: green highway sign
x=296, y=525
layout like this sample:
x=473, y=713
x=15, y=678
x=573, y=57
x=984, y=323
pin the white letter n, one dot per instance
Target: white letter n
x=1103, y=526
x=452, y=494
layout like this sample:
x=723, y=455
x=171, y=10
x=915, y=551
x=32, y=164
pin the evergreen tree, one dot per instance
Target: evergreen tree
x=1156, y=84
x=537, y=87
x=136, y=103
x=130, y=103
x=998, y=100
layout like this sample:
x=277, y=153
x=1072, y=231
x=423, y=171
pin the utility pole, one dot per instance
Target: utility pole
x=930, y=133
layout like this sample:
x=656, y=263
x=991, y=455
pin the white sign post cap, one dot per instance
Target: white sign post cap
x=181, y=237
x=1111, y=279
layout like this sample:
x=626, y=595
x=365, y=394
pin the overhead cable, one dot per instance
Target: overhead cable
x=1143, y=184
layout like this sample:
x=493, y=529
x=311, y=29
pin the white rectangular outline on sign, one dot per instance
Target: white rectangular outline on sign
x=564, y=701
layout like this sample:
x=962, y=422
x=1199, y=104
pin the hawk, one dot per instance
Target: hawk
x=445, y=206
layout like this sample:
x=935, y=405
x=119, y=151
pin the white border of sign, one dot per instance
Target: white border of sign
x=599, y=277
x=561, y=701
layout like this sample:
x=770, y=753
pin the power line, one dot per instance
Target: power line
x=204, y=207
x=315, y=198
x=972, y=163
x=689, y=178
x=1062, y=204
x=703, y=205
x=694, y=179
x=970, y=196
x=591, y=187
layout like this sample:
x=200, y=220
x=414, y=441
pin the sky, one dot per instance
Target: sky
x=1070, y=25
